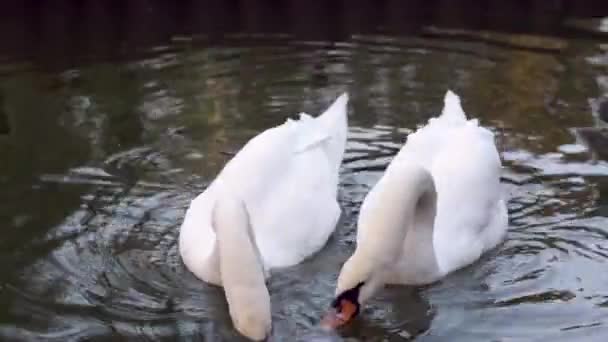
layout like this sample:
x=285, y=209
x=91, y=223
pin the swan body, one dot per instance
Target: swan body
x=437, y=208
x=465, y=169
x=273, y=205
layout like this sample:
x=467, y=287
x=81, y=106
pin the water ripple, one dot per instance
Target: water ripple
x=97, y=193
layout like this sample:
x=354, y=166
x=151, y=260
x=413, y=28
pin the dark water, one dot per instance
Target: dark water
x=111, y=121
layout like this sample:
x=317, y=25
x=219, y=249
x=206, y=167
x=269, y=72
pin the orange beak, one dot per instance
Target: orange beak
x=340, y=315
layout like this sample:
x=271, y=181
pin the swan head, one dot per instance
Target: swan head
x=357, y=283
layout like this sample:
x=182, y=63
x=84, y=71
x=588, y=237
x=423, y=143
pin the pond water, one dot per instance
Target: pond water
x=105, y=140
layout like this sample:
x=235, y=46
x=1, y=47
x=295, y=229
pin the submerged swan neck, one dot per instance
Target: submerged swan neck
x=394, y=236
x=241, y=268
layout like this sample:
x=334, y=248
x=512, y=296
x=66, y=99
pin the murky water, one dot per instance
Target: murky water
x=101, y=156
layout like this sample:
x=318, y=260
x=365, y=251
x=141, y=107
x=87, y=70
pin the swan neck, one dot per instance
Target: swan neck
x=241, y=269
x=405, y=216
x=411, y=188
x=422, y=203
x=417, y=262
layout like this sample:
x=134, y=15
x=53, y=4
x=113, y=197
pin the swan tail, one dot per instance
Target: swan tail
x=335, y=117
x=331, y=126
x=335, y=122
x=452, y=109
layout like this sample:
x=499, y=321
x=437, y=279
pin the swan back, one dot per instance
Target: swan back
x=292, y=184
x=288, y=177
x=465, y=167
x=471, y=216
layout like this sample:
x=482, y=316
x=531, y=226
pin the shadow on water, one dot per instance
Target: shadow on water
x=115, y=114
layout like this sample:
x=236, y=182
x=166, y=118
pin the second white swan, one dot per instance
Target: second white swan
x=273, y=205
x=437, y=208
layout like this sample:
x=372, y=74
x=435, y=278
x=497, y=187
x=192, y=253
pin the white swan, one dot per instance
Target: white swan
x=273, y=205
x=436, y=209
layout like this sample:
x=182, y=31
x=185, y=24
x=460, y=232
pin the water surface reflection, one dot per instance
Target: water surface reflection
x=102, y=156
